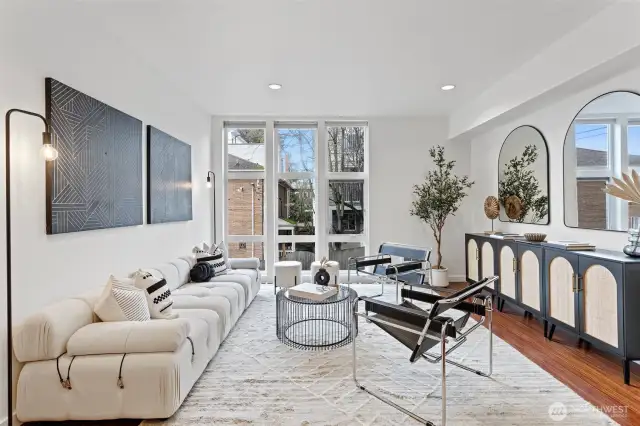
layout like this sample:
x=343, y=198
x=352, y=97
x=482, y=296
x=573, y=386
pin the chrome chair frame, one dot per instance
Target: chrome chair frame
x=352, y=264
x=441, y=358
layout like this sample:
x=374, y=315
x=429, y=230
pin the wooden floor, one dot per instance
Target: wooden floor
x=594, y=375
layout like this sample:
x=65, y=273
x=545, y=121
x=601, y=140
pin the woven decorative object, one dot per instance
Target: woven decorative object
x=535, y=237
x=513, y=207
x=491, y=207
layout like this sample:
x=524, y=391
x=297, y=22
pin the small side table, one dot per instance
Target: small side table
x=316, y=325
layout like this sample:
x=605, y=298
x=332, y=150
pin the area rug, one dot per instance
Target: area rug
x=254, y=379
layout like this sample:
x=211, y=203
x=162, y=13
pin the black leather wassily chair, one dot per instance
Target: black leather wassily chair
x=411, y=270
x=421, y=330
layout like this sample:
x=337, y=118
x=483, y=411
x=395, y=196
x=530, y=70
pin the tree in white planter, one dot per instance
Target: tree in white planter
x=438, y=197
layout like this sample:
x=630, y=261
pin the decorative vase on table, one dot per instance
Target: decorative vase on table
x=322, y=277
x=628, y=188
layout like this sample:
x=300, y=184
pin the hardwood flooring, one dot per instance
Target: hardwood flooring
x=594, y=375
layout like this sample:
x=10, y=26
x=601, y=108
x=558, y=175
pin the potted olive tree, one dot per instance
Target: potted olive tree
x=438, y=197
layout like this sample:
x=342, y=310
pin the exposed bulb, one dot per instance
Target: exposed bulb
x=209, y=184
x=49, y=153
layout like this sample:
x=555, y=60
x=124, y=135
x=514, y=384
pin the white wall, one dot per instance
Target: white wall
x=35, y=44
x=399, y=158
x=553, y=121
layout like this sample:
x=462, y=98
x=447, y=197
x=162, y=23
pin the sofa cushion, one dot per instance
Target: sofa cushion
x=246, y=263
x=44, y=335
x=217, y=304
x=190, y=259
x=183, y=267
x=170, y=273
x=122, y=301
x=129, y=337
x=244, y=281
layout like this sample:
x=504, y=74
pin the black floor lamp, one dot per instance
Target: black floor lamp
x=50, y=154
x=211, y=184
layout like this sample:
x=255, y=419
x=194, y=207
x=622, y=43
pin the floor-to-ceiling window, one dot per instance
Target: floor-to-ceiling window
x=300, y=193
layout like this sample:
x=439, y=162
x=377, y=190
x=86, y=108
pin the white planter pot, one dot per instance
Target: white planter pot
x=440, y=277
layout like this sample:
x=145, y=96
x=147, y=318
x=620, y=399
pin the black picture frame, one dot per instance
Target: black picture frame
x=96, y=182
x=169, y=178
x=564, y=172
x=546, y=152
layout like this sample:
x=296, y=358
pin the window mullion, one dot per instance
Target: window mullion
x=322, y=198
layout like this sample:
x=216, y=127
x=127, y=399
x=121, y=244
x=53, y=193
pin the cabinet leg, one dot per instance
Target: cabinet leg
x=546, y=328
x=627, y=371
x=579, y=342
x=553, y=328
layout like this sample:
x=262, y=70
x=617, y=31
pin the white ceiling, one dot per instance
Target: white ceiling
x=337, y=57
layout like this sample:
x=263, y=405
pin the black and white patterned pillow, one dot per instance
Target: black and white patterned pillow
x=158, y=294
x=214, y=256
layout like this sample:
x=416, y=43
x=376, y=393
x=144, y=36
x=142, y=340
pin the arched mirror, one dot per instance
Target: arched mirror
x=523, y=171
x=603, y=141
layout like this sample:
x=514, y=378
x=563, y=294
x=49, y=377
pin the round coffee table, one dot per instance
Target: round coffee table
x=315, y=325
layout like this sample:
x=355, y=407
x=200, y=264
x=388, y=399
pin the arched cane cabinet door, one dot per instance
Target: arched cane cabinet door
x=561, y=291
x=530, y=280
x=600, y=304
x=472, y=260
x=507, y=272
x=487, y=262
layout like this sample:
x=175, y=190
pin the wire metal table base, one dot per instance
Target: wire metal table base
x=315, y=325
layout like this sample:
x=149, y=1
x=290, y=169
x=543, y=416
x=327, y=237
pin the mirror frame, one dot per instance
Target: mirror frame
x=546, y=152
x=564, y=173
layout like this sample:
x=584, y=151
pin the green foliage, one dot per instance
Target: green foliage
x=519, y=180
x=439, y=196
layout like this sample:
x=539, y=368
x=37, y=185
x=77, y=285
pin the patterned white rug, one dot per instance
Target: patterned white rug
x=254, y=379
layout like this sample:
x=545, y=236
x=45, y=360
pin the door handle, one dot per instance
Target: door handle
x=514, y=264
x=477, y=254
x=578, y=278
x=573, y=284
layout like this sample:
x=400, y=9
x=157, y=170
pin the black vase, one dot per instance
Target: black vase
x=322, y=277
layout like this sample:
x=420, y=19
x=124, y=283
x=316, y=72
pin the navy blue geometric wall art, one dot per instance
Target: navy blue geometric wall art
x=168, y=178
x=96, y=181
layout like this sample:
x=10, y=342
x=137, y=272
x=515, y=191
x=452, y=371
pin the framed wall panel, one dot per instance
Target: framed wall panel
x=168, y=178
x=96, y=182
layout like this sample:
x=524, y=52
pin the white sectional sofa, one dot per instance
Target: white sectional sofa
x=138, y=370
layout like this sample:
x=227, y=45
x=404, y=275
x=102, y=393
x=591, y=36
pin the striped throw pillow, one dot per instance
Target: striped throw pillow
x=215, y=257
x=157, y=293
x=122, y=301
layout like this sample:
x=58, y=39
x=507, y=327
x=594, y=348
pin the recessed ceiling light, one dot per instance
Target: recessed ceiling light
x=448, y=87
x=275, y=86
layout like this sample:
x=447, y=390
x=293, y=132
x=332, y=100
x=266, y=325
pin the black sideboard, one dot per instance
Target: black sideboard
x=593, y=294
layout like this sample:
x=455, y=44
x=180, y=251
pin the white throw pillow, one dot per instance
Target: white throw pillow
x=222, y=246
x=214, y=257
x=122, y=301
x=157, y=293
